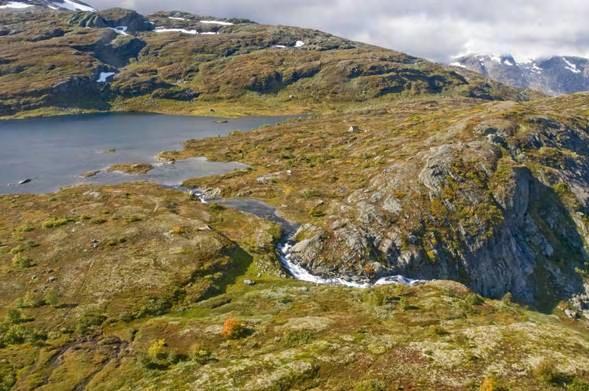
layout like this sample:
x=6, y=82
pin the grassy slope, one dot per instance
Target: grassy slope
x=104, y=335
x=93, y=278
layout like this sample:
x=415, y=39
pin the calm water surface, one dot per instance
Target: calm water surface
x=55, y=152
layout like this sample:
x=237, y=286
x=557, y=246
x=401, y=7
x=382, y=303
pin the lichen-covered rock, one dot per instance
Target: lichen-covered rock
x=474, y=213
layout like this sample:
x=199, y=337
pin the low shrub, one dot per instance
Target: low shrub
x=234, y=329
x=547, y=372
x=22, y=261
x=16, y=334
x=30, y=300
x=370, y=385
x=159, y=356
x=578, y=385
x=89, y=322
x=200, y=355
x=490, y=383
x=14, y=316
x=51, y=298
x=298, y=338
x=55, y=222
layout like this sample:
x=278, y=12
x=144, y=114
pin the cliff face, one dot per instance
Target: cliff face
x=502, y=210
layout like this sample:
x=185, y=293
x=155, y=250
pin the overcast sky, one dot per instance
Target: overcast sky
x=434, y=29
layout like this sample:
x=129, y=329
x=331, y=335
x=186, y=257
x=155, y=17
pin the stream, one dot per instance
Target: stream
x=285, y=244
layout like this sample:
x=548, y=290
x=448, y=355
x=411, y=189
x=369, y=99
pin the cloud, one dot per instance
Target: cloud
x=438, y=30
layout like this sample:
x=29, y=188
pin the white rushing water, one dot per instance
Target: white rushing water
x=300, y=273
x=265, y=211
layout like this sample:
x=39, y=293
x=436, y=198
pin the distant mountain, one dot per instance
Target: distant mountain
x=552, y=75
x=65, y=5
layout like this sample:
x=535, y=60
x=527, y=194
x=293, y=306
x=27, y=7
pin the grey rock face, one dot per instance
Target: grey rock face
x=113, y=18
x=553, y=76
x=115, y=50
x=498, y=228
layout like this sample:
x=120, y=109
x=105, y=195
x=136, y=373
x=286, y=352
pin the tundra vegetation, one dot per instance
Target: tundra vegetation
x=398, y=166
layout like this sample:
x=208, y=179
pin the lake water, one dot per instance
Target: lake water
x=55, y=152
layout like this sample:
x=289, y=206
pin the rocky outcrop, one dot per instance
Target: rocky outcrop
x=140, y=86
x=119, y=51
x=474, y=213
x=113, y=18
x=176, y=94
x=53, y=33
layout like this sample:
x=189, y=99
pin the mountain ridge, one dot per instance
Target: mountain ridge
x=62, y=5
x=552, y=75
x=276, y=63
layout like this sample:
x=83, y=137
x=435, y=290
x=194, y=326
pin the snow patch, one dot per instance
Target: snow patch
x=122, y=30
x=104, y=76
x=176, y=18
x=15, y=5
x=74, y=6
x=299, y=44
x=570, y=66
x=536, y=69
x=457, y=64
x=508, y=62
x=183, y=31
x=218, y=22
x=279, y=46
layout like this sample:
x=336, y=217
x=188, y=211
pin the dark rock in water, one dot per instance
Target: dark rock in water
x=206, y=194
x=25, y=181
x=90, y=174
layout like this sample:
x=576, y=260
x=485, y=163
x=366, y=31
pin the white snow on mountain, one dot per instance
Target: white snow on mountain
x=457, y=64
x=219, y=22
x=570, y=66
x=66, y=5
x=536, y=69
x=122, y=30
x=552, y=75
x=104, y=76
x=74, y=6
x=508, y=62
x=15, y=5
x=167, y=30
